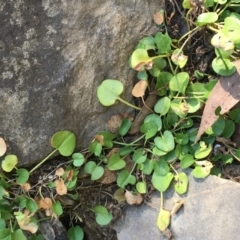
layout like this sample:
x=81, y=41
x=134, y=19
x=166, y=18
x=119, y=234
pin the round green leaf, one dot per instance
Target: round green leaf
x=23, y=175
x=155, y=118
x=57, y=208
x=206, y=18
x=78, y=159
x=2, y=223
x=149, y=128
x=125, y=150
x=103, y=217
x=234, y=114
x=161, y=183
x=163, y=42
x=166, y=142
x=31, y=205
x=75, y=233
x=147, y=166
x=95, y=171
x=229, y=128
x=162, y=106
x=193, y=105
x=223, y=67
x=181, y=183
x=231, y=29
x=187, y=161
x=9, y=163
x=161, y=167
x=139, y=156
x=18, y=235
x=108, y=92
x=124, y=178
x=5, y=233
x=179, y=58
x=179, y=82
x=89, y=167
x=95, y=148
x=64, y=142
x=181, y=138
x=115, y=162
x=200, y=172
x=125, y=126
x=203, y=151
x=217, y=128
x=141, y=187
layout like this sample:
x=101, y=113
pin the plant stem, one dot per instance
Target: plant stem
x=129, y=144
x=129, y=104
x=193, y=31
x=44, y=160
x=161, y=200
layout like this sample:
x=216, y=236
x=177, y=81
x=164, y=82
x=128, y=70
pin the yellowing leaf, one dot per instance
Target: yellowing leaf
x=30, y=226
x=9, y=163
x=119, y=195
x=133, y=198
x=139, y=88
x=3, y=147
x=177, y=205
x=60, y=187
x=163, y=219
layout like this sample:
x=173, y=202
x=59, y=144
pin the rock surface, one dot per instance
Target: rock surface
x=53, y=56
x=211, y=211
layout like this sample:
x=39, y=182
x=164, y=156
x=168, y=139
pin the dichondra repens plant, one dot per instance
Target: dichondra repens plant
x=165, y=144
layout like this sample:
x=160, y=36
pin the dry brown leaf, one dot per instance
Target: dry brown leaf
x=114, y=123
x=3, y=147
x=133, y=198
x=128, y=116
x=59, y=172
x=69, y=175
x=45, y=203
x=60, y=187
x=99, y=138
x=177, y=205
x=158, y=18
x=119, y=195
x=139, y=88
x=225, y=94
x=25, y=187
x=30, y=226
x=108, y=177
x=114, y=150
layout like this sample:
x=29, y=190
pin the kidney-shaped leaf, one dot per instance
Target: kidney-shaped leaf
x=166, y=142
x=206, y=18
x=108, y=92
x=9, y=163
x=103, y=217
x=64, y=142
x=161, y=183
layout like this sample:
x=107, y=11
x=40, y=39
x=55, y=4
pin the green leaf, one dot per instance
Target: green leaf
x=166, y=142
x=187, y=161
x=103, y=217
x=161, y=167
x=75, y=233
x=124, y=151
x=108, y=92
x=95, y=171
x=18, y=235
x=217, y=128
x=5, y=234
x=139, y=156
x=146, y=43
x=179, y=82
x=223, y=67
x=4, y=206
x=23, y=175
x=206, y=18
x=125, y=126
x=203, y=151
x=162, y=106
x=155, y=118
x=64, y=142
x=161, y=183
x=179, y=58
x=181, y=184
x=31, y=205
x=149, y=128
x=193, y=105
x=57, y=208
x=163, y=219
x=139, y=59
x=142, y=75
x=95, y=148
x=9, y=162
x=124, y=178
x=154, y=71
x=78, y=159
x=2, y=223
x=181, y=138
x=141, y=187
x=107, y=138
x=163, y=42
x=234, y=114
x=147, y=166
x=186, y=4
x=160, y=63
x=229, y=128
x=115, y=162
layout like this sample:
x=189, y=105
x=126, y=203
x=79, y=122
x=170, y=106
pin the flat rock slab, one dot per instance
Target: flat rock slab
x=211, y=211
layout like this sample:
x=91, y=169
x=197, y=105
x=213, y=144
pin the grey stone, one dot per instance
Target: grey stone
x=211, y=211
x=54, y=54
